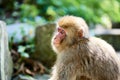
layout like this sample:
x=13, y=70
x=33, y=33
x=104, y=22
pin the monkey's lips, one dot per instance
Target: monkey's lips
x=59, y=38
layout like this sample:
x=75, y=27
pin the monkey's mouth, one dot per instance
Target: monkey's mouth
x=59, y=38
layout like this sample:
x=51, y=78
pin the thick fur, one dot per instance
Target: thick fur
x=85, y=58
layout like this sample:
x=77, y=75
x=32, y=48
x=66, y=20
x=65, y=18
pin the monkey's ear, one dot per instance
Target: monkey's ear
x=80, y=33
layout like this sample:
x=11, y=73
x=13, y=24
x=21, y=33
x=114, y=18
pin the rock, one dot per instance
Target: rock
x=43, y=49
x=36, y=77
x=112, y=36
x=42, y=77
x=5, y=58
x=24, y=77
x=116, y=25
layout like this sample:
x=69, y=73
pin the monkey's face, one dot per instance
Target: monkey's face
x=66, y=31
x=59, y=37
x=69, y=29
x=64, y=36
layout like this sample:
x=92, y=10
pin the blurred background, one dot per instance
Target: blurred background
x=30, y=24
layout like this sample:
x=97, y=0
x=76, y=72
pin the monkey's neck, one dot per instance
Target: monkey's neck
x=74, y=53
x=82, y=40
x=79, y=42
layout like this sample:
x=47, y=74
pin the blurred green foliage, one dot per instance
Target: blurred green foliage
x=28, y=11
x=91, y=10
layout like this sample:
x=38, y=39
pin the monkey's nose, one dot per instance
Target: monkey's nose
x=60, y=30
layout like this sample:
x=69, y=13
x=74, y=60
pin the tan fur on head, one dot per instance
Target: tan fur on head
x=72, y=21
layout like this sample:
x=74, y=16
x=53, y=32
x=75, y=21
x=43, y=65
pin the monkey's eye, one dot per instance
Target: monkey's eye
x=65, y=26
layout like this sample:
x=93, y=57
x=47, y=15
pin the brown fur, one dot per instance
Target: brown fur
x=84, y=58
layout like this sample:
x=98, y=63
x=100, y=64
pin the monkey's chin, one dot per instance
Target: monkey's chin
x=56, y=44
x=55, y=47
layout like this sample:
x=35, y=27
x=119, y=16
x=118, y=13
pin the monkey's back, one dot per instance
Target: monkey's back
x=99, y=60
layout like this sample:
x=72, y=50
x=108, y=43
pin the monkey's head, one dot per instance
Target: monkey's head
x=68, y=31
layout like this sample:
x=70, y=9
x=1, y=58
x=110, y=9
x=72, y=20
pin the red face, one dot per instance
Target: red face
x=61, y=34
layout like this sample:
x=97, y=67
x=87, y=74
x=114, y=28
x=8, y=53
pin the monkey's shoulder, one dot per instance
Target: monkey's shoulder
x=100, y=42
x=102, y=45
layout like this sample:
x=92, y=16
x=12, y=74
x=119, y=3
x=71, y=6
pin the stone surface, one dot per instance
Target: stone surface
x=43, y=49
x=116, y=25
x=42, y=77
x=5, y=58
x=112, y=36
x=36, y=77
x=108, y=32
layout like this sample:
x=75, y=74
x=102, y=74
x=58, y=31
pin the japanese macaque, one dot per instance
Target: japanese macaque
x=81, y=57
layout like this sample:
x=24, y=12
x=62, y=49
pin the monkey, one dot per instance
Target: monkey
x=80, y=56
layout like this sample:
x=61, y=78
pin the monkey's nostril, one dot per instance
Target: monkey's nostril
x=62, y=32
x=59, y=29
